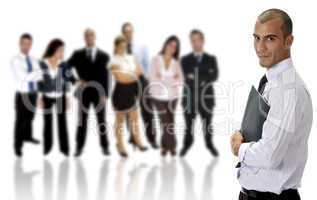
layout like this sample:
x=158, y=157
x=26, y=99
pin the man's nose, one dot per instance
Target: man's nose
x=260, y=46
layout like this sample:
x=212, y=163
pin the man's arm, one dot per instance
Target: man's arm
x=278, y=130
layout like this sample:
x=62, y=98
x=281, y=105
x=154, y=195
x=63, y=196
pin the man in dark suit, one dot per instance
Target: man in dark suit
x=200, y=71
x=90, y=65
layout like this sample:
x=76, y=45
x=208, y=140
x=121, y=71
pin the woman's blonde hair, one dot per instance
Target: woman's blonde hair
x=118, y=40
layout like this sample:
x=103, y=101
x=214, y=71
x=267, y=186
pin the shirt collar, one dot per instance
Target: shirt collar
x=200, y=54
x=278, y=68
x=23, y=56
x=50, y=66
x=94, y=48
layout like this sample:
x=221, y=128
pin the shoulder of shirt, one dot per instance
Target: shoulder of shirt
x=289, y=80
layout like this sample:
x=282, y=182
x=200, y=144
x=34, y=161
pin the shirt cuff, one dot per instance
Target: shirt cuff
x=242, y=150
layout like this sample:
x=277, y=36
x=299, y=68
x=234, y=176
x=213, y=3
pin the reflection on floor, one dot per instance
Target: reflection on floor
x=164, y=181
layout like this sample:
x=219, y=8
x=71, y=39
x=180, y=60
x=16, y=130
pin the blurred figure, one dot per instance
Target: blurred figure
x=200, y=71
x=89, y=63
x=142, y=56
x=126, y=71
x=54, y=86
x=166, y=77
x=25, y=69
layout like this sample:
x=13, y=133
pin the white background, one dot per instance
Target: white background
x=228, y=26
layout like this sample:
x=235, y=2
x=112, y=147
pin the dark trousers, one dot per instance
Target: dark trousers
x=166, y=110
x=286, y=195
x=60, y=104
x=146, y=108
x=206, y=117
x=91, y=97
x=25, y=105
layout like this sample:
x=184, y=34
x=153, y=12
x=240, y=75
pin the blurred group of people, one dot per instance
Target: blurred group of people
x=151, y=88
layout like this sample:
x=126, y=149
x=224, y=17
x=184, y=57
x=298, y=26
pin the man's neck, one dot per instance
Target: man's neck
x=26, y=54
x=280, y=60
x=90, y=46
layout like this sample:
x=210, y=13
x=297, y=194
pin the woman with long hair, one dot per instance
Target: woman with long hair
x=53, y=89
x=166, y=77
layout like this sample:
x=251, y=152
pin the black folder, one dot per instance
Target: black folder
x=254, y=116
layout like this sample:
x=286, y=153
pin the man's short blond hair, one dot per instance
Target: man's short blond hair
x=274, y=13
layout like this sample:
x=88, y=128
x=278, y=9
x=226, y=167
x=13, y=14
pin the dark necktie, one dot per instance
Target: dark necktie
x=262, y=83
x=198, y=58
x=29, y=70
x=129, y=48
x=89, y=55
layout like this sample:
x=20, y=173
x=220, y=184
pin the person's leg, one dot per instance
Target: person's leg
x=100, y=110
x=18, y=127
x=171, y=126
x=146, y=108
x=30, y=109
x=134, y=128
x=118, y=127
x=188, y=140
x=83, y=109
x=161, y=113
x=48, y=128
x=62, y=125
x=206, y=117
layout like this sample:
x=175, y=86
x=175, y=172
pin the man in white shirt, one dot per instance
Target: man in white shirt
x=141, y=54
x=26, y=74
x=272, y=167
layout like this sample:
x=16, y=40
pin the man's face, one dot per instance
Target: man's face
x=90, y=38
x=197, y=42
x=128, y=32
x=269, y=42
x=25, y=46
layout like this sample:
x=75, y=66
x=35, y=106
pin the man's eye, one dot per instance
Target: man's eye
x=256, y=38
x=270, y=38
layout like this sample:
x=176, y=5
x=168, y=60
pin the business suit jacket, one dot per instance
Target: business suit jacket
x=89, y=70
x=204, y=73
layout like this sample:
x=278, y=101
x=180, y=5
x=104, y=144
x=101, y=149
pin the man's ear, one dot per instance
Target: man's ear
x=289, y=41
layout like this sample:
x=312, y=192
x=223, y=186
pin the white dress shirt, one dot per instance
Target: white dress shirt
x=142, y=56
x=276, y=162
x=93, y=52
x=21, y=75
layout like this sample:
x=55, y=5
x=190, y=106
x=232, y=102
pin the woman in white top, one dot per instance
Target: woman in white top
x=126, y=71
x=53, y=88
x=166, y=79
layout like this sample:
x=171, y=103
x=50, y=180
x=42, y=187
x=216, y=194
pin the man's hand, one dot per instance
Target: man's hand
x=236, y=141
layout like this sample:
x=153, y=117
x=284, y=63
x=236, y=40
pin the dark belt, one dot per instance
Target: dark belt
x=267, y=195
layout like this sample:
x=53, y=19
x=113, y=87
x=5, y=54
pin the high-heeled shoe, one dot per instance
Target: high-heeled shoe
x=136, y=146
x=122, y=152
